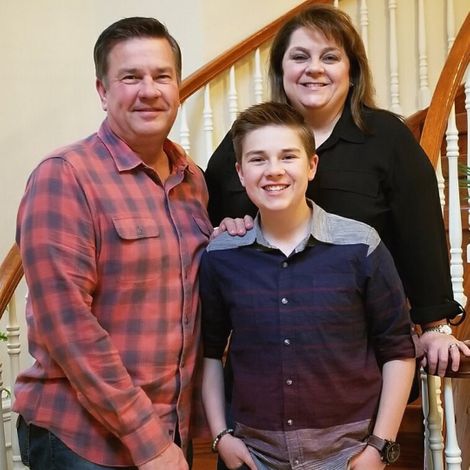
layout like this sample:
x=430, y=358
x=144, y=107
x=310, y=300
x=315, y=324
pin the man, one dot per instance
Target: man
x=111, y=230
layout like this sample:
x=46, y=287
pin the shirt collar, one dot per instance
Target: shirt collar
x=126, y=159
x=345, y=129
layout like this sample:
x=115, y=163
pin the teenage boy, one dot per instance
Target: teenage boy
x=321, y=343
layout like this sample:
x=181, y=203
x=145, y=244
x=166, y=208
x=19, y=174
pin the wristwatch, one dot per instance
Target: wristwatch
x=444, y=329
x=389, y=451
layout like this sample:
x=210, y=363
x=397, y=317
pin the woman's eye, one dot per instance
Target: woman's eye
x=331, y=58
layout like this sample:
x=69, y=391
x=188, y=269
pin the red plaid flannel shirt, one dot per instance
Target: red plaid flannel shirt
x=111, y=258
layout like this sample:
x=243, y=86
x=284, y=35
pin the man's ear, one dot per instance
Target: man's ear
x=101, y=89
x=239, y=169
x=312, y=166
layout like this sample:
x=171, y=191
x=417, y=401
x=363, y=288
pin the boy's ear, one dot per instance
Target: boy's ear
x=238, y=167
x=312, y=166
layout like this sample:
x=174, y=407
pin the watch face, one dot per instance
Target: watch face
x=392, y=452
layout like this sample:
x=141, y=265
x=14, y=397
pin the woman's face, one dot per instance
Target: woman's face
x=316, y=74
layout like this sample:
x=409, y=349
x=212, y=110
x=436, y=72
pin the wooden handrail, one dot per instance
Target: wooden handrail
x=206, y=73
x=445, y=93
x=11, y=272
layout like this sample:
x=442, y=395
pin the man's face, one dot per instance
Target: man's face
x=140, y=92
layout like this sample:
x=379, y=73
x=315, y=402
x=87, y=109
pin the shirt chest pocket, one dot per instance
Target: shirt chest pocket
x=136, y=251
x=133, y=228
x=358, y=182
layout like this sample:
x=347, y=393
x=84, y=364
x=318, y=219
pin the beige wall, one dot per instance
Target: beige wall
x=47, y=86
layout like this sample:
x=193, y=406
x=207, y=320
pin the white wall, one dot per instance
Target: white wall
x=47, y=87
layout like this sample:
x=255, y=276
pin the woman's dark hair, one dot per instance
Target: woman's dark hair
x=335, y=25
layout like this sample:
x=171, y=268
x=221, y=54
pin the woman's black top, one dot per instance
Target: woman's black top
x=383, y=178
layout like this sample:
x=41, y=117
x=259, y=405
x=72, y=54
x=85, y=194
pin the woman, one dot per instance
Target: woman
x=370, y=166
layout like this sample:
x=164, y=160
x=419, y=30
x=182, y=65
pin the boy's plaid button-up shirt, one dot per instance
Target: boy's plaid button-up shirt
x=111, y=258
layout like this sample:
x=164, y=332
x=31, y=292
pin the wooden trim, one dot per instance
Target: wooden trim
x=207, y=72
x=445, y=92
x=11, y=272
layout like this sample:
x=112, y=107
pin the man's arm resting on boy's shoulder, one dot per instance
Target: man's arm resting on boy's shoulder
x=397, y=376
x=232, y=450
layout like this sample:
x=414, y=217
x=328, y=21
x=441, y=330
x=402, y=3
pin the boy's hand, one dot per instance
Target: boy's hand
x=368, y=459
x=235, y=453
x=234, y=226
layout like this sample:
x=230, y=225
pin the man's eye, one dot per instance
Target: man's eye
x=130, y=78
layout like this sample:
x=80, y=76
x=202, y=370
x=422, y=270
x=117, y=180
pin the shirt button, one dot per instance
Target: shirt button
x=140, y=230
x=285, y=264
x=287, y=342
x=284, y=301
x=289, y=382
x=290, y=422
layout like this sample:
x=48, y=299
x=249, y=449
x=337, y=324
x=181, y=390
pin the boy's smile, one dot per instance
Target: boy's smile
x=275, y=169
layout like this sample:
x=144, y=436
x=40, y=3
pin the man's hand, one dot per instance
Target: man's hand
x=171, y=458
x=368, y=459
x=234, y=226
x=234, y=453
x=437, y=349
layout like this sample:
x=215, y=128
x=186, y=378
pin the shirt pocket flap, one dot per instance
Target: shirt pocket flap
x=360, y=182
x=134, y=228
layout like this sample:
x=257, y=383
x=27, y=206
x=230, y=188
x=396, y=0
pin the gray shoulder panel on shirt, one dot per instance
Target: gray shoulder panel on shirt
x=332, y=228
x=225, y=241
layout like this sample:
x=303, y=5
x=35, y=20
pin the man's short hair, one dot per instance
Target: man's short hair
x=270, y=114
x=130, y=28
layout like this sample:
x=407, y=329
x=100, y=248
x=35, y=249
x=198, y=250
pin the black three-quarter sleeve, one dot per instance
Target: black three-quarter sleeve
x=419, y=245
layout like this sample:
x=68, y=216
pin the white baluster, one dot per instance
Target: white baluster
x=208, y=122
x=336, y=3
x=14, y=351
x=393, y=60
x=436, y=443
x=184, y=129
x=440, y=183
x=364, y=23
x=423, y=94
x=452, y=451
x=425, y=405
x=232, y=96
x=455, y=221
x=258, y=78
x=450, y=24
x=3, y=446
x=467, y=109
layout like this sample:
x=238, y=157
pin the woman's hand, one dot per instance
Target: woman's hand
x=439, y=349
x=234, y=453
x=368, y=459
x=234, y=226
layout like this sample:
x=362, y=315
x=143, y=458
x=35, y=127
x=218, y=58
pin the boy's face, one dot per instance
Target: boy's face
x=275, y=168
